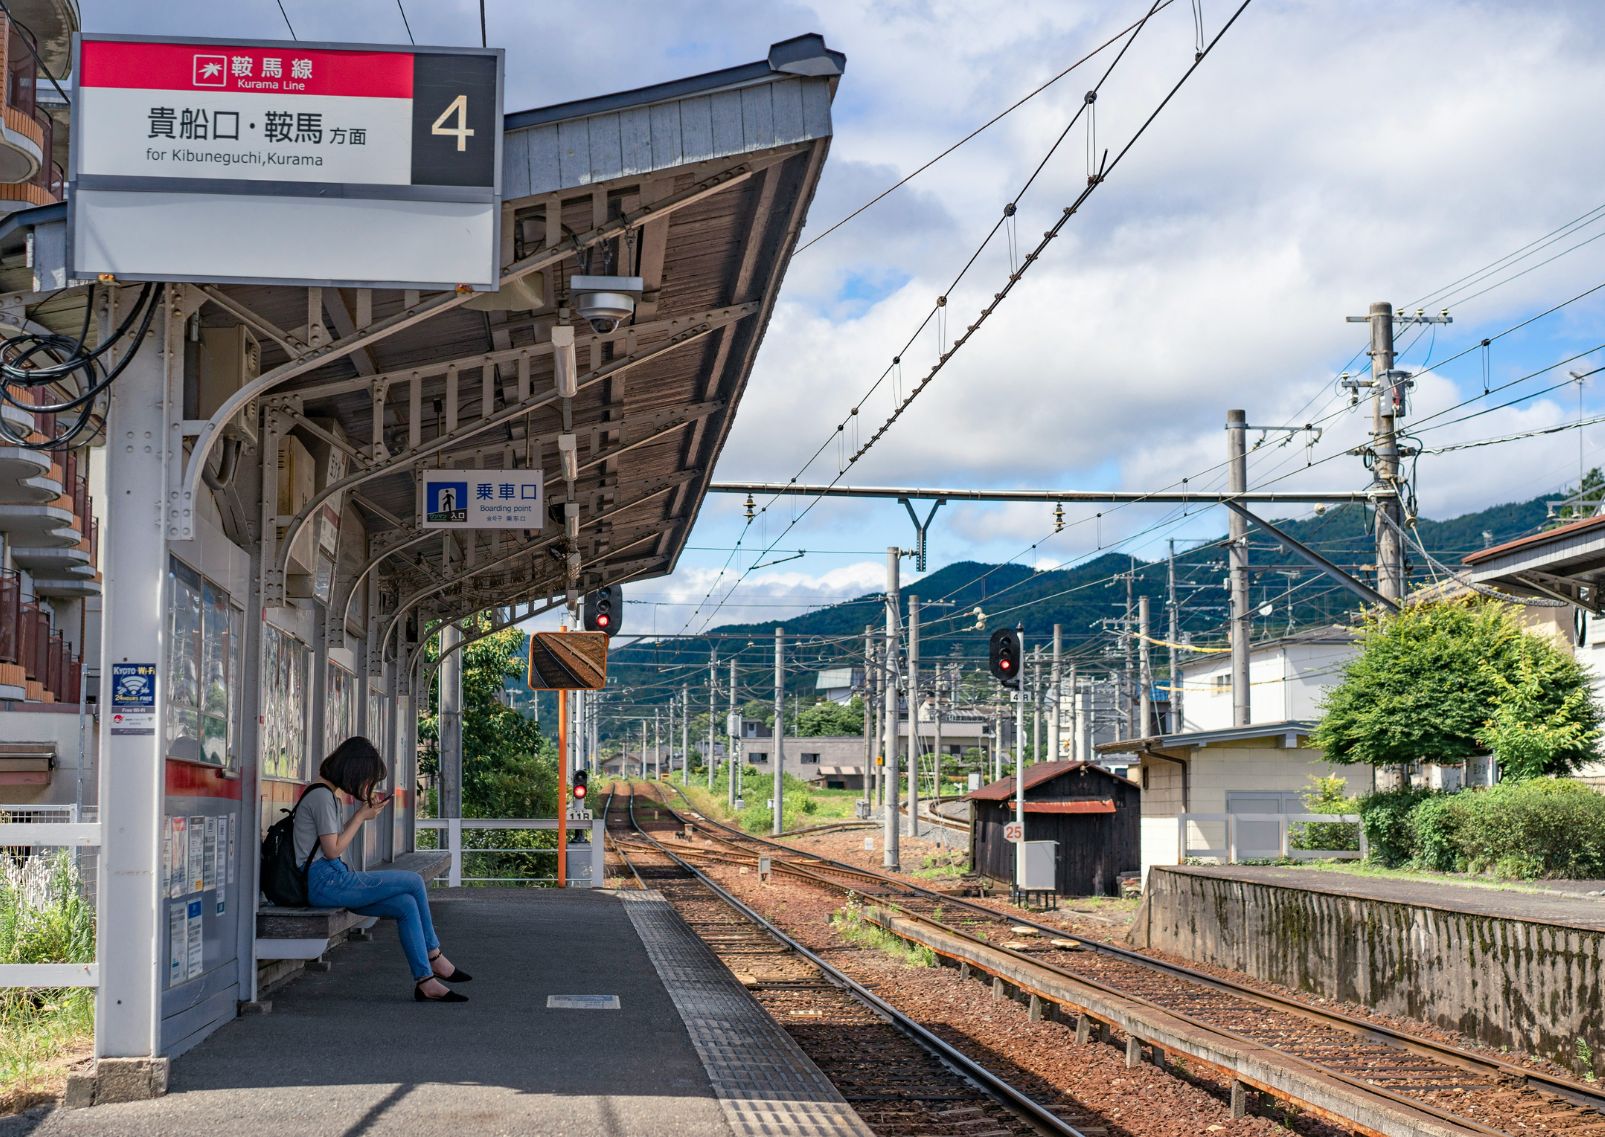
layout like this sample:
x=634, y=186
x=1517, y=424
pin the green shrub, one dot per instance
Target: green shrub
x=1326, y=795
x=1435, y=824
x=1541, y=827
x=1388, y=831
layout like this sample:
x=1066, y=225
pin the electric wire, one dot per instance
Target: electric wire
x=1105, y=169
x=406, y=23
x=287, y=23
x=71, y=360
x=993, y=121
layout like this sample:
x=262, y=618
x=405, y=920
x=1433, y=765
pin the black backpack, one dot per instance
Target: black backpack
x=284, y=882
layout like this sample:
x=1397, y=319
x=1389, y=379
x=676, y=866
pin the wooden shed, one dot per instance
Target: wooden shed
x=1094, y=815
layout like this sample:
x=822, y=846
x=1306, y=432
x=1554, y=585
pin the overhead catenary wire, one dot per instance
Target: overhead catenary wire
x=406, y=23
x=286, y=16
x=988, y=124
x=1105, y=169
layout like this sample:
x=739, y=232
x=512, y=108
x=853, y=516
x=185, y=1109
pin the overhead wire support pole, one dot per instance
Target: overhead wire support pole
x=1056, y=693
x=685, y=734
x=889, y=857
x=731, y=759
x=1237, y=558
x=777, y=801
x=713, y=692
x=1173, y=639
x=913, y=714
x=1050, y=497
x=921, y=528
x=1019, y=768
x=1299, y=549
x=871, y=705
x=1145, y=673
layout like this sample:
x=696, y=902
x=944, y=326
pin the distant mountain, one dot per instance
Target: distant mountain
x=1077, y=598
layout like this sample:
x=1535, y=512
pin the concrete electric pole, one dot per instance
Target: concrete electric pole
x=731, y=758
x=889, y=858
x=777, y=805
x=1055, y=694
x=1237, y=557
x=913, y=715
x=1145, y=672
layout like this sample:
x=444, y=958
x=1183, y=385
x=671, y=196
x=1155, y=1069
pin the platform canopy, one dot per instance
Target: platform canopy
x=699, y=187
x=1565, y=563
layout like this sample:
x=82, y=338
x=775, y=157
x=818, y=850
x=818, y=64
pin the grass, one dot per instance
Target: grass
x=44, y=918
x=850, y=925
x=802, y=805
x=1363, y=869
x=945, y=865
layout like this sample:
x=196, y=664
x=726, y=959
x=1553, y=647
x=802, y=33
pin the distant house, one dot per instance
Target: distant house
x=1091, y=813
x=1257, y=769
x=1287, y=678
x=839, y=684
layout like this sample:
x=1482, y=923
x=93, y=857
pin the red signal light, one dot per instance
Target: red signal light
x=1004, y=664
x=603, y=620
x=579, y=790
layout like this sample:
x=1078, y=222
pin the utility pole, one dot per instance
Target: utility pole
x=1384, y=403
x=713, y=691
x=1237, y=557
x=1077, y=753
x=913, y=715
x=1036, y=705
x=1145, y=673
x=997, y=742
x=685, y=734
x=1019, y=766
x=777, y=803
x=1126, y=653
x=871, y=704
x=1174, y=719
x=657, y=744
x=936, y=748
x=732, y=762
x=889, y=858
x=1056, y=693
x=671, y=735
x=643, y=749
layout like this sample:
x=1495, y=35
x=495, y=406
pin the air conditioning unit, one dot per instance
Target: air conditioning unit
x=230, y=358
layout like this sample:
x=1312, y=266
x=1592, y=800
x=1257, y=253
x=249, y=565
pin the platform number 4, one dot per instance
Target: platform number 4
x=458, y=107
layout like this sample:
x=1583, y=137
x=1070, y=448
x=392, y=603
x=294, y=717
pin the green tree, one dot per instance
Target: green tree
x=509, y=768
x=826, y=718
x=1444, y=681
x=1582, y=500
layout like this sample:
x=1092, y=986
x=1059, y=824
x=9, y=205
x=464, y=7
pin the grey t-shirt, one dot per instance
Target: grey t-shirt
x=319, y=813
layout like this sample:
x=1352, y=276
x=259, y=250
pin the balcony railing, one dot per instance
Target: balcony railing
x=10, y=616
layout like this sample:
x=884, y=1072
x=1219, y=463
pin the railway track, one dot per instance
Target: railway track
x=901, y=1079
x=1445, y=1088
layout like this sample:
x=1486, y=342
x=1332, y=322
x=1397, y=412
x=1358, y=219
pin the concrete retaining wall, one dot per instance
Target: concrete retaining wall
x=1531, y=987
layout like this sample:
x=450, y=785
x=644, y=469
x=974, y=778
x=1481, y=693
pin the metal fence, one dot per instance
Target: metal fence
x=29, y=832
x=1237, y=846
x=476, y=856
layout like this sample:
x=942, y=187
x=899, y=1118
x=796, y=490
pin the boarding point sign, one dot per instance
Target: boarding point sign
x=279, y=162
x=481, y=499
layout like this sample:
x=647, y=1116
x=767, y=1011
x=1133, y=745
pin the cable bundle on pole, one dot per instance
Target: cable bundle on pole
x=35, y=362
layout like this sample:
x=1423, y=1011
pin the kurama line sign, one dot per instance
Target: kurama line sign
x=286, y=163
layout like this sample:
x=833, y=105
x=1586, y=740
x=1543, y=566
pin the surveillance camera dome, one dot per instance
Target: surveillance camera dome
x=605, y=302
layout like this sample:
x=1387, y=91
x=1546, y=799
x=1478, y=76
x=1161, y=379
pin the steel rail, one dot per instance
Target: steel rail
x=1470, y=1061
x=1011, y=1097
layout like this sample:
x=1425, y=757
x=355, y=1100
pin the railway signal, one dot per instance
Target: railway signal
x=603, y=609
x=581, y=786
x=1003, y=657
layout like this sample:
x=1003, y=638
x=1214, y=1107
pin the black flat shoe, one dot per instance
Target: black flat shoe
x=449, y=997
x=458, y=975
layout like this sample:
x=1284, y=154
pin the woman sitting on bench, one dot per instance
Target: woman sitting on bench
x=355, y=768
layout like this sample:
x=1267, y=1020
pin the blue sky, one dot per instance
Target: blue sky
x=1311, y=166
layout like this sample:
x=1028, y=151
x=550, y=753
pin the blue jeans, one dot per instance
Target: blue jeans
x=397, y=894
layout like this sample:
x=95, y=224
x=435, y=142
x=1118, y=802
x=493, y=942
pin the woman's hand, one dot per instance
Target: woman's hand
x=373, y=807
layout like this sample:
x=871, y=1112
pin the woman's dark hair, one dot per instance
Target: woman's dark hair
x=355, y=767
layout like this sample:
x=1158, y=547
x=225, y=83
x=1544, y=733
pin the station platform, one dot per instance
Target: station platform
x=348, y=1051
x=1567, y=904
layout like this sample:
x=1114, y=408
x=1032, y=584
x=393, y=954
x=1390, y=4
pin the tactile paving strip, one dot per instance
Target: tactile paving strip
x=766, y=1085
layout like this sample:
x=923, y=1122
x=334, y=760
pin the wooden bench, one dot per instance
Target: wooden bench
x=306, y=933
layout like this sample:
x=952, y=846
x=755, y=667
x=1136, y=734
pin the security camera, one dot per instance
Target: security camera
x=605, y=302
